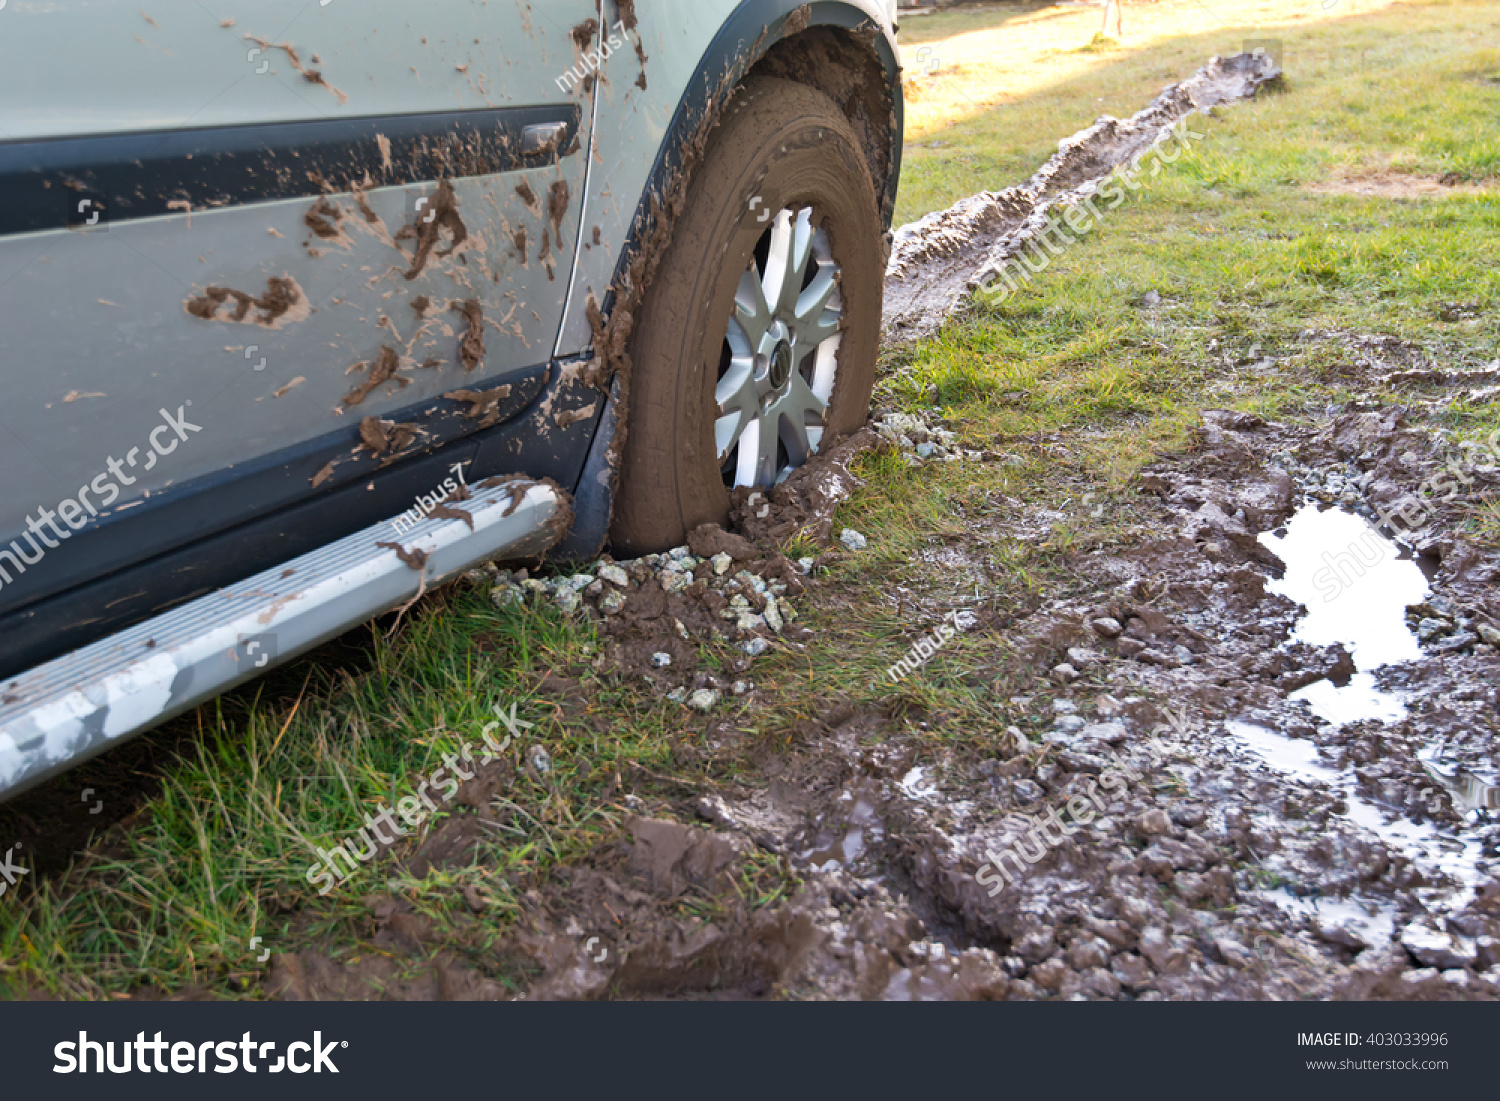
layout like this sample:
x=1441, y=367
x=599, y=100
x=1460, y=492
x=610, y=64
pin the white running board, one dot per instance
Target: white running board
x=69, y=709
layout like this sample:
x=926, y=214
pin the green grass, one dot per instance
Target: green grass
x=1068, y=380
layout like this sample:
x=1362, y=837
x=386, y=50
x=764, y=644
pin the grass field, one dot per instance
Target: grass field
x=1251, y=240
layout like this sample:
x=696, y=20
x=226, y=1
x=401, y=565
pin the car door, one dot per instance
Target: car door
x=241, y=243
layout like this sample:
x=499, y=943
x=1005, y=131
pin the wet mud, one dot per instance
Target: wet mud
x=283, y=303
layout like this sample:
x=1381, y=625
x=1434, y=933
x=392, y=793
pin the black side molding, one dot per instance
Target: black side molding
x=136, y=175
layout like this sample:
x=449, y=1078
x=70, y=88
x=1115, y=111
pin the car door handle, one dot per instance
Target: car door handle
x=542, y=137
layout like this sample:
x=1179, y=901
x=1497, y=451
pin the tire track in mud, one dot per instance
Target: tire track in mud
x=938, y=261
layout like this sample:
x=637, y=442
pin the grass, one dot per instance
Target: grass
x=1073, y=384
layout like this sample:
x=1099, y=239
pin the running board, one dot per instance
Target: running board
x=61, y=713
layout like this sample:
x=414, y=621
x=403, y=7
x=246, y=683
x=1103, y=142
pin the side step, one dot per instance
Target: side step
x=58, y=714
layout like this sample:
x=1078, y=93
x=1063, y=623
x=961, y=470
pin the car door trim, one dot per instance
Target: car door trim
x=148, y=174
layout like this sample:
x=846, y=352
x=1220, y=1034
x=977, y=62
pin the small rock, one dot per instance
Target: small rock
x=503, y=596
x=722, y=564
x=1154, y=823
x=1431, y=628
x=682, y=631
x=661, y=659
x=704, y=699
x=1087, y=952
x=926, y=450
x=748, y=624
x=538, y=759
x=674, y=581
x=614, y=575
x=677, y=695
x=679, y=553
x=1438, y=949
x=1489, y=634
x=580, y=581
x=853, y=539
x=805, y=564
x=1081, y=657
x=773, y=615
x=1069, y=724
x=1130, y=969
x=568, y=599
x=1064, y=673
x=755, y=646
x=1109, y=733
x=740, y=687
x=612, y=602
x=1064, y=707
x=1106, y=627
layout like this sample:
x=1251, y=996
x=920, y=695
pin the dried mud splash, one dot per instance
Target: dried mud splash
x=938, y=261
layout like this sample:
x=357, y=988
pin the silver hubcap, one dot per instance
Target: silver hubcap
x=781, y=354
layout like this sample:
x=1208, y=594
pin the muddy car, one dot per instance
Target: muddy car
x=310, y=307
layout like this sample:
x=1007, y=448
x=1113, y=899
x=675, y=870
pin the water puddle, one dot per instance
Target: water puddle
x=843, y=848
x=1471, y=792
x=1368, y=922
x=915, y=785
x=1422, y=842
x=1355, y=584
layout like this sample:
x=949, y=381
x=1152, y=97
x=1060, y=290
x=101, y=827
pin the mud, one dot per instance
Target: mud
x=471, y=345
x=528, y=198
x=936, y=263
x=413, y=559
x=383, y=370
x=282, y=304
x=1176, y=822
x=312, y=76
x=851, y=75
x=583, y=34
x=427, y=230
x=382, y=436
x=484, y=405
x=557, y=208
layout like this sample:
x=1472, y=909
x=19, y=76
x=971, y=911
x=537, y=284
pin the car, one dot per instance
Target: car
x=310, y=307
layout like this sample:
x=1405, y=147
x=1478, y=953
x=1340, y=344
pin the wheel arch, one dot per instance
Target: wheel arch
x=837, y=46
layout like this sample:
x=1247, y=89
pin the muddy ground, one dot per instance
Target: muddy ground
x=1229, y=842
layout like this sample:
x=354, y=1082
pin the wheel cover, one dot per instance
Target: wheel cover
x=780, y=354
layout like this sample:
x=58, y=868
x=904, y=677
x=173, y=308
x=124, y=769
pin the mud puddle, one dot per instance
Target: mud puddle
x=1454, y=857
x=1356, y=586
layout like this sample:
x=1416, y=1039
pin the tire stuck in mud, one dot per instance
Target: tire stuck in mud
x=780, y=146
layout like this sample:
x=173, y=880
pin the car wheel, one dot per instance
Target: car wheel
x=756, y=339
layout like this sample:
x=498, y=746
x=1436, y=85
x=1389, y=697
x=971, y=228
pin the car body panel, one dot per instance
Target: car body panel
x=99, y=332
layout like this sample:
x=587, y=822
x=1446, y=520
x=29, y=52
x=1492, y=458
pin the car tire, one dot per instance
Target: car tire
x=783, y=198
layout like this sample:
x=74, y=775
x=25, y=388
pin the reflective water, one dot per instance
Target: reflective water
x=1355, y=584
x=1422, y=842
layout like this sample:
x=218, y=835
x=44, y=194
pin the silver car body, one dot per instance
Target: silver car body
x=217, y=222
